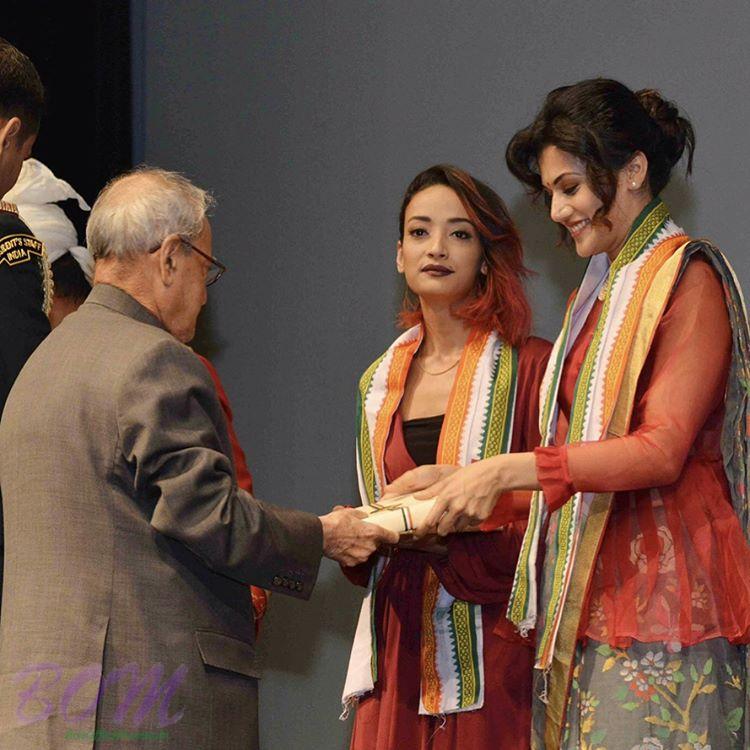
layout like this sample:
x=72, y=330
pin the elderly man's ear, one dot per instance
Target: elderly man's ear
x=170, y=255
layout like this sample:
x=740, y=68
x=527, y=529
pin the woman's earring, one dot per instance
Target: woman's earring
x=483, y=269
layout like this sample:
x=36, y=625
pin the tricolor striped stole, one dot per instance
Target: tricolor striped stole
x=478, y=423
x=636, y=290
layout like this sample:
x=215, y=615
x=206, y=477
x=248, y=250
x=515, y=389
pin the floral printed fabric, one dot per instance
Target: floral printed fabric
x=648, y=697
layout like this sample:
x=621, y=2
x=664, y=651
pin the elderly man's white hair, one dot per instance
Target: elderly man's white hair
x=137, y=210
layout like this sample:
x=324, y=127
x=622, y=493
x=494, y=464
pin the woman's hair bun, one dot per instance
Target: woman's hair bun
x=604, y=123
x=660, y=109
x=677, y=132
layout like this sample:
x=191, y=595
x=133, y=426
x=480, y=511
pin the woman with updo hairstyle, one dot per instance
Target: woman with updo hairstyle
x=435, y=663
x=634, y=567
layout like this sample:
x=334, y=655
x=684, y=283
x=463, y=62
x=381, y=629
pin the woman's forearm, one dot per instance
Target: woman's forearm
x=514, y=471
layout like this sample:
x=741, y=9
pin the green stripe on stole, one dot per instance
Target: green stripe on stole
x=647, y=226
x=373, y=632
x=474, y=651
x=367, y=468
x=495, y=438
x=521, y=590
x=364, y=449
x=654, y=218
x=498, y=426
x=363, y=430
x=465, y=652
x=497, y=434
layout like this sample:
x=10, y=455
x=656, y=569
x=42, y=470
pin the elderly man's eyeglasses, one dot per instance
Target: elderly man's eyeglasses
x=216, y=267
x=215, y=270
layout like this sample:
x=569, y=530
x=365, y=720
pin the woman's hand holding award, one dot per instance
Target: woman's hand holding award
x=401, y=514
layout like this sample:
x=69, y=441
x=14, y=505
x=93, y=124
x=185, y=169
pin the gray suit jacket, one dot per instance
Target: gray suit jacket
x=128, y=545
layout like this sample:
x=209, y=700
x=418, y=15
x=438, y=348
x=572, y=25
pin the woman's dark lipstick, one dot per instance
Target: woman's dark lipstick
x=433, y=269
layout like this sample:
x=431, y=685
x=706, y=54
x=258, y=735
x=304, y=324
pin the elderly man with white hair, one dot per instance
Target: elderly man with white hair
x=129, y=545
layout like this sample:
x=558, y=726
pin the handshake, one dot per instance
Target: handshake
x=350, y=539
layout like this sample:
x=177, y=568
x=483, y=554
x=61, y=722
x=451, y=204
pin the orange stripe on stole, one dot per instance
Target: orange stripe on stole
x=448, y=452
x=396, y=383
x=449, y=447
x=619, y=356
x=431, y=693
x=661, y=285
x=616, y=370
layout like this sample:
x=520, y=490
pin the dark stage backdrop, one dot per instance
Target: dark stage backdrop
x=82, y=52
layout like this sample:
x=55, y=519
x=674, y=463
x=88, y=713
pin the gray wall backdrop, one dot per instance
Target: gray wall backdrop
x=307, y=120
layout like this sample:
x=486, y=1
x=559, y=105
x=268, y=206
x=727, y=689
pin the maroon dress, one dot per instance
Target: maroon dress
x=478, y=568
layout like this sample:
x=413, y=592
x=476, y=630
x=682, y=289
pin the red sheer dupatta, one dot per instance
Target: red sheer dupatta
x=673, y=562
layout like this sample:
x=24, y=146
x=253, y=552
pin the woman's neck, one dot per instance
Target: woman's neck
x=445, y=334
x=633, y=211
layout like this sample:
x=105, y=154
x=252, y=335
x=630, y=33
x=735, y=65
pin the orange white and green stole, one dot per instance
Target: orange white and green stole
x=478, y=423
x=635, y=289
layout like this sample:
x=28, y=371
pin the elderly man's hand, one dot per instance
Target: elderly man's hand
x=350, y=541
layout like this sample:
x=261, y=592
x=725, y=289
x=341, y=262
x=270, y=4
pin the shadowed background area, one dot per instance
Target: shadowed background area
x=307, y=121
x=82, y=53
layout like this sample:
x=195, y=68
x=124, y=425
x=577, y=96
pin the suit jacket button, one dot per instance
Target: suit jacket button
x=276, y=581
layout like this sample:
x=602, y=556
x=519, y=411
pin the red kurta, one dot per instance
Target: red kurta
x=674, y=564
x=479, y=568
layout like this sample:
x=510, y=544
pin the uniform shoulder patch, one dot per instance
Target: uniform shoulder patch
x=19, y=248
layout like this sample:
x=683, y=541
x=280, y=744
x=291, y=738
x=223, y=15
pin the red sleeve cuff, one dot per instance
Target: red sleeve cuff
x=554, y=476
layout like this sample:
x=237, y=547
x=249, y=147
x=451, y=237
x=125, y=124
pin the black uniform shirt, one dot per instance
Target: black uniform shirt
x=25, y=296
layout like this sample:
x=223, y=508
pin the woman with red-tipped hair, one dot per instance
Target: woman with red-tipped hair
x=435, y=663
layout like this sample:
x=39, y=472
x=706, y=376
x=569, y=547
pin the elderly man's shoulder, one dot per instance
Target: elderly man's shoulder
x=145, y=350
x=95, y=327
x=161, y=351
x=124, y=346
